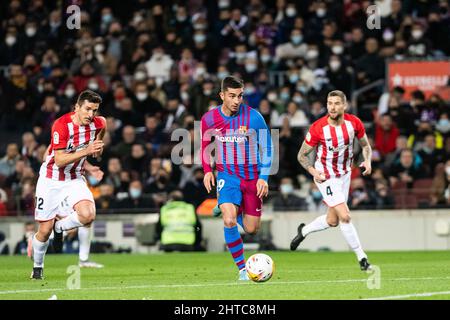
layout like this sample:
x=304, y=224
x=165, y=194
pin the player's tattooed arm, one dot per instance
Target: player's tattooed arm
x=367, y=154
x=302, y=156
x=303, y=159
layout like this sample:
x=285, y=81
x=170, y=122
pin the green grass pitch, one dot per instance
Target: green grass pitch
x=179, y=276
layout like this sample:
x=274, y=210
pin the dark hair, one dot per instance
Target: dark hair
x=338, y=93
x=90, y=96
x=231, y=82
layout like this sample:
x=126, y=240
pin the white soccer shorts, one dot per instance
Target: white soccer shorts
x=59, y=197
x=335, y=190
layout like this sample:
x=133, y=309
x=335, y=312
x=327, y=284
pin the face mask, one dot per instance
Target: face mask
x=240, y=55
x=92, y=181
x=30, y=31
x=293, y=78
x=99, y=48
x=207, y=92
x=417, y=34
x=107, y=18
x=251, y=67
x=334, y=65
x=298, y=99
x=184, y=96
x=337, y=49
x=70, y=92
x=290, y=12
x=223, y=4
x=181, y=18
x=321, y=12
x=297, y=39
x=40, y=88
x=302, y=89
x=198, y=38
x=312, y=54
x=265, y=58
x=388, y=36
x=141, y=96
x=222, y=74
x=272, y=97
x=443, y=125
x=285, y=96
x=10, y=40
x=54, y=25
x=249, y=90
x=139, y=76
x=158, y=55
x=286, y=188
x=93, y=86
x=316, y=195
x=135, y=193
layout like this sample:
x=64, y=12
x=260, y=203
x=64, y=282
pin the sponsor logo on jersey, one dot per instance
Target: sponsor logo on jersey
x=337, y=149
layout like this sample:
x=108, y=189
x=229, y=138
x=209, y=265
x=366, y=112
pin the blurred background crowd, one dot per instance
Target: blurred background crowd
x=158, y=66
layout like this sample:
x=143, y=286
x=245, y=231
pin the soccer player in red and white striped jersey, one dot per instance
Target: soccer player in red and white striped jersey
x=332, y=137
x=75, y=136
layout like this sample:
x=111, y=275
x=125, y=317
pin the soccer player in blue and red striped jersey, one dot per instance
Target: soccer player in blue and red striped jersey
x=243, y=156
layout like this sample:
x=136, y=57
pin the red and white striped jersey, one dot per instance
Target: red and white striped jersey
x=334, y=145
x=71, y=137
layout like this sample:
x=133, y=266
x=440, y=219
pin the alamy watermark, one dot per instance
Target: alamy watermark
x=74, y=280
x=374, y=280
x=74, y=19
x=373, y=17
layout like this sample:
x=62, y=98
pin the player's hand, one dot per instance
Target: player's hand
x=208, y=181
x=262, y=188
x=367, y=166
x=319, y=177
x=94, y=147
x=98, y=154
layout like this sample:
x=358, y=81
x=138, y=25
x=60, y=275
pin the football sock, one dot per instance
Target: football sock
x=85, y=243
x=350, y=234
x=68, y=223
x=235, y=245
x=318, y=224
x=39, y=249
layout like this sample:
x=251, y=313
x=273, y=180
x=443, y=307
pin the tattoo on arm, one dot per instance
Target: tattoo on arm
x=366, y=148
x=303, y=156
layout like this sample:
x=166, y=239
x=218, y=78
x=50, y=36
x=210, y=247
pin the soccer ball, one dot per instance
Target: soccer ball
x=260, y=267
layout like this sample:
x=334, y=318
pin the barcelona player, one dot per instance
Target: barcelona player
x=241, y=141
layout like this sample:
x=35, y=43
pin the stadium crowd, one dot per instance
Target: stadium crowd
x=158, y=66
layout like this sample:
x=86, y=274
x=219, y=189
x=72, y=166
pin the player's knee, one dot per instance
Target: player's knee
x=332, y=222
x=86, y=216
x=43, y=234
x=229, y=222
x=252, y=230
x=345, y=218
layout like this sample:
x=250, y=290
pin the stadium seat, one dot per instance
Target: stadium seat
x=422, y=190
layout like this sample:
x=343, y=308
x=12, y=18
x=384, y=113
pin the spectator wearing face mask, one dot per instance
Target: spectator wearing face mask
x=136, y=198
x=287, y=200
x=295, y=48
x=430, y=155
x=418, y=45
x=339, y=76
x=194, y=191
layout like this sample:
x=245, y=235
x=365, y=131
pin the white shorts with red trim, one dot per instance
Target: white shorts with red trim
x=335, y=190
x=59, y=197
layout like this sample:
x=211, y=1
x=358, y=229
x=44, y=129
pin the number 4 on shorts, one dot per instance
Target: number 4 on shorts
x=329, y=193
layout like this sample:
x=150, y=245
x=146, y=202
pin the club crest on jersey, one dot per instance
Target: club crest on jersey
x=242, y=129
x=56, y=138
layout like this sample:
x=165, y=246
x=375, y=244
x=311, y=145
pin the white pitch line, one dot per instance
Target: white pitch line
x=412, y=295
x=216, y=285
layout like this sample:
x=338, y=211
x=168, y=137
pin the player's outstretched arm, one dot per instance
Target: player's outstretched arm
x=303, y=159
x=367, y=155
x=63, y=159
